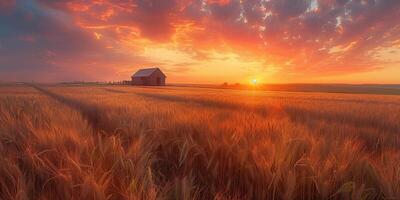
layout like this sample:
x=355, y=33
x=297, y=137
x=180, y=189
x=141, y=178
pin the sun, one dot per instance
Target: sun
x=254, y=81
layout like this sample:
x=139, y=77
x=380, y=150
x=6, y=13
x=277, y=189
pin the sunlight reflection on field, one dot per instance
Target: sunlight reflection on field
x=176, y=142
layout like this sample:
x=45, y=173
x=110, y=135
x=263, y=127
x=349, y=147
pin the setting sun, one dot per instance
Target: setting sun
x=202, y=42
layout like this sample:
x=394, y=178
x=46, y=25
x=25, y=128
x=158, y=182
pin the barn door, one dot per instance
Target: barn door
x=158, y=81
x=144, y=81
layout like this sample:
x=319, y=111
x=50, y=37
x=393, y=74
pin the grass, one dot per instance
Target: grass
x=196, y=143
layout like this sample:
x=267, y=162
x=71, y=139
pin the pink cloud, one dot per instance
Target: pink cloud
x=313, y=37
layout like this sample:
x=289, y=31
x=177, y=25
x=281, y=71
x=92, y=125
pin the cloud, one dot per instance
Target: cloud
x=313, y=37
x=44, y=44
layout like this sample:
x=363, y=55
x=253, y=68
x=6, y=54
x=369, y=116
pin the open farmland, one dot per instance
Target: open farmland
x=59, y=142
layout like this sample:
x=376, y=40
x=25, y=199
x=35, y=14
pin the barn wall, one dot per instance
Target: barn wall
x=154, y=77
x=137, y=81
x=151, y=81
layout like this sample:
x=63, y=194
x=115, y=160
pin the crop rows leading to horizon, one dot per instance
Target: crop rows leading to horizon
x=117, y=142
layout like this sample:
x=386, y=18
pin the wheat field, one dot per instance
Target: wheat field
x=119, y=142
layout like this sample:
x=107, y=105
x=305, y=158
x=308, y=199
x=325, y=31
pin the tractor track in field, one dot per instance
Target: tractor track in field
x=262, y=110
x=295, y=114
x=93, y=114
x=114, y=91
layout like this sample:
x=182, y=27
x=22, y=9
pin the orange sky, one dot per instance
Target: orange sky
x=201, y=41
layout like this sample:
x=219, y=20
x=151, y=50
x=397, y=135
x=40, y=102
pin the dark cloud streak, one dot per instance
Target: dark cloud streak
x=44, y=44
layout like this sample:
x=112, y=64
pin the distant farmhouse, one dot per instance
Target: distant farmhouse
x=149, y=77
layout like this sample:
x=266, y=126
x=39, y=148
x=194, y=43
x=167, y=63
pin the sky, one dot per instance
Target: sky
x=201, y=41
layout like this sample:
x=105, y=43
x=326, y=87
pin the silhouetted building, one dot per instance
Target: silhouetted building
x=150, y=77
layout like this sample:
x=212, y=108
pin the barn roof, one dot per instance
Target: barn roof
x=146, y=72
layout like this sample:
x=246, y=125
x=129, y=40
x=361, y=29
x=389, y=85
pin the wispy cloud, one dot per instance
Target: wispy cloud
x=308, y=37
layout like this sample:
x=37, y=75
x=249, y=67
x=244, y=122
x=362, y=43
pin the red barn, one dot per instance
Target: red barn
x=149, y=77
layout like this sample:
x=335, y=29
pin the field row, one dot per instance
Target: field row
x=187, y=143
